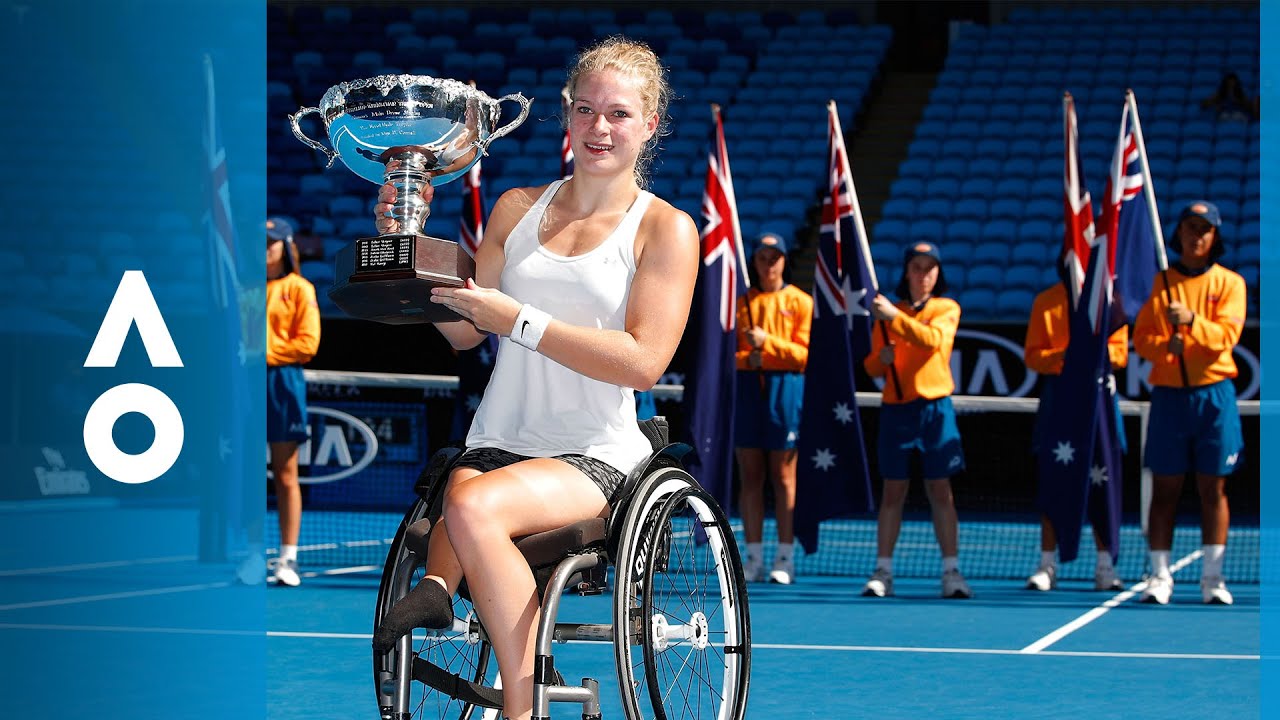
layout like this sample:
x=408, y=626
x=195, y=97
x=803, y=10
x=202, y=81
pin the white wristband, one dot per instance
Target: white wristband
x=531, y=323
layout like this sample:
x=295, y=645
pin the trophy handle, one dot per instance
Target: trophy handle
x=297, y=132
x=499, y=132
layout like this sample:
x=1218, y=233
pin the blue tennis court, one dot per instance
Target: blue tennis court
x=819, y=649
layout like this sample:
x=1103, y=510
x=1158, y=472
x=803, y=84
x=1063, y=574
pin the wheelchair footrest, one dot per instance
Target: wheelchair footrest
x=416, y=537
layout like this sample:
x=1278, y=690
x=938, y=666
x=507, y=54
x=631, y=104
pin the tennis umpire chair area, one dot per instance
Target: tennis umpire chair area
x=681, y=631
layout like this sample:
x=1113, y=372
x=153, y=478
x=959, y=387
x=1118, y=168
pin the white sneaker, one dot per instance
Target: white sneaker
x=253, y=569
x=1159, y=590
x=753, y=571
x=287, y=573
x=1105, y=578
x=1043, y=579
x=954, y=586
x=783, y=572
x=880, y=584
x=1214, y=591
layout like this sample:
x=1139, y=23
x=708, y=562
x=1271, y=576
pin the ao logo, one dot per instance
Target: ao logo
x=133, y=303
x=331, y=447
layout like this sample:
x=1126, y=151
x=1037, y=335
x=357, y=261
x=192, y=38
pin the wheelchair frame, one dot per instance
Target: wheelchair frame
x=640, y=538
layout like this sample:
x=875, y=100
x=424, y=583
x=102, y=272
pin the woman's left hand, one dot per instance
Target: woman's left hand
x=488, y=309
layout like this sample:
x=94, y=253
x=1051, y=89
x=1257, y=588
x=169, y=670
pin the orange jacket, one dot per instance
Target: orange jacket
x=293, y=321
x=1049, y=330
x=786, y=316
x=1217, y=297
x=922, y=351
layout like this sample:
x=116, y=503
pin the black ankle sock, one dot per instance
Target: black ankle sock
x=426, y=606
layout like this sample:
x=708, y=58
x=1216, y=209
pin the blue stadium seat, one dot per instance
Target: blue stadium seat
x=998, y=231
x=907, y=187
x=1025, y=276
x=971, y=207
x=949, y=167
x=1031, y=253
x=1014, y=303
x=890, y=231
x=1010, y=188
x=962, y=231
x=899, y=209
x=1037, y=231
x=941, y=187
x=985, y=276
x=988, y=169
x=1020, y=167
x=956, y=277
x=935, y=207
x=996, y=253
x=1005, y=207
x=977, y=303
x=917, y=167
x=925, y=230
x=958, y=252
x=884, y=251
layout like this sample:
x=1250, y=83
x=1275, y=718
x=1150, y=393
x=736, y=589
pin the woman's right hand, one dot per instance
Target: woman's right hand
x=382, y=219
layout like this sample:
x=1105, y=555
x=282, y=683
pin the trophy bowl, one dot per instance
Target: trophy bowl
x=430, y=131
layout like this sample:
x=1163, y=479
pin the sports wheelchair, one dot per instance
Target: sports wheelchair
x=681, y=630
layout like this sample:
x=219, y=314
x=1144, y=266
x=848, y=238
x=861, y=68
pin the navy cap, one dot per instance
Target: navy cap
x=1202, y=209
x=279, y=229
x=770, y=240
x=921, y=248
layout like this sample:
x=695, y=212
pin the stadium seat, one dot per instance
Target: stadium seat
x=966, y=231
x=985, y=276
x=1004, y=207
x=996, y=253
x=1026, y=277
x=935, y=207
x=977, y=303
x=899, y=209
x=998, y=231
x=890, y=230
x=925, y=230
x=1014, y=303
x=970, y=208
x=1031, y=253
x=942, y=187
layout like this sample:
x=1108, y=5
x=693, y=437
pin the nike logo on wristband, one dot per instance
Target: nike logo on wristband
x=522, y=327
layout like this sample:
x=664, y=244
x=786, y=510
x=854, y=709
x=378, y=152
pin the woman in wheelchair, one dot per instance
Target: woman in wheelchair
x=588, y=281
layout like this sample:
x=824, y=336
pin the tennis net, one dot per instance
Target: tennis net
x=372, y=433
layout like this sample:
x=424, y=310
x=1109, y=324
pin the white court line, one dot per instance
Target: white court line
x=755, y=646
x=112, y=596
x=1102, y=609
x=96, y=565
x=867, y=648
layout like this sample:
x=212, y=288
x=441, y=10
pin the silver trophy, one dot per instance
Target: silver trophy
x=435, y=130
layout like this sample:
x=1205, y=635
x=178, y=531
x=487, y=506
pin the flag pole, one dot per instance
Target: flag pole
x=861, y=229
x=1149, y=192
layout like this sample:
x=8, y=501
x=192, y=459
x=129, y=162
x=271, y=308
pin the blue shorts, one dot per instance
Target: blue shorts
x=1194, y=429
x=924, y=426
x=286, y=404
x=768, y=419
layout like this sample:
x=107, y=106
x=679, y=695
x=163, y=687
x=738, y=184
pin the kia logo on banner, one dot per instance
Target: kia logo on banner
x=329, y=455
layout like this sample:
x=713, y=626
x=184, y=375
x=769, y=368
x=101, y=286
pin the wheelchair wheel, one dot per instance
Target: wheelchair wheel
x=462, y=651
x=681, y=598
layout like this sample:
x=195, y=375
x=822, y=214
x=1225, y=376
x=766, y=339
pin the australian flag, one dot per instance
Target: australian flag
x=1079, y=454
x=1135, y=245
x=831, y=475
x=722, y=278
x=474, y=365
x=224, y=496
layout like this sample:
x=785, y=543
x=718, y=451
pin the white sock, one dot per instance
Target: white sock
x=1104, y=559
x=783, y=553
x=1046, y=558
x=1160, y=563
x=885, y=564
x=755, y=553
x=1212, y=566
x=288, y=552
x=950, y=563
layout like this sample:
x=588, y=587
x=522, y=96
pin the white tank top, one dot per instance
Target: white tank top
x=535, y=406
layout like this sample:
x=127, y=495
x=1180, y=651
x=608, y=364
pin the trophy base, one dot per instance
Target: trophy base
x=388, y=278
